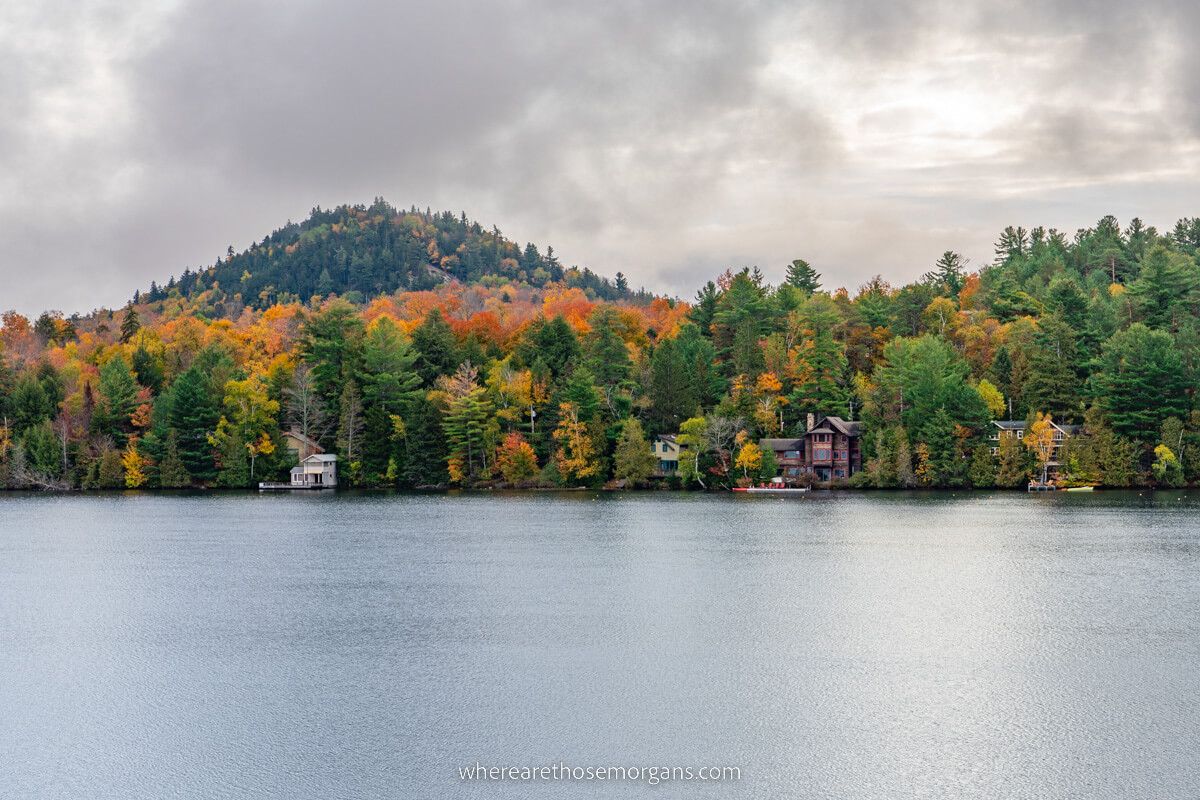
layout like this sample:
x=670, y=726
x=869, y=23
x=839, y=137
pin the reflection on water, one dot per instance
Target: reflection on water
x=366, y=646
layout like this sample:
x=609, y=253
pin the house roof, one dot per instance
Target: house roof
x=780, y=444
x=308, y=442
x=1019, y=425
x=666, y=437
x=324, y=458
x=844, y=426
x=830, y=424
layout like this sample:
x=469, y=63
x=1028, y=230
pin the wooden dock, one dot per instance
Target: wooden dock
x=270, y=486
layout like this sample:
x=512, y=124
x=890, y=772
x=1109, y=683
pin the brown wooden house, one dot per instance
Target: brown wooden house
x=789, y=455
x=832, y=448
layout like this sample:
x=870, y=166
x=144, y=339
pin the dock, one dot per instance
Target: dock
x=270, y=486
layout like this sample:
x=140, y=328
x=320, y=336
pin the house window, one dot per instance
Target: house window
x=792, y=454
x=839, y=473
x=822, y=454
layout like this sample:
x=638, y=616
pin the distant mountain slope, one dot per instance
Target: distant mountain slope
x=379, y=249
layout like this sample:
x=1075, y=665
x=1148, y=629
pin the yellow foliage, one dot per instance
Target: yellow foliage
x=749, y=458
x=134, y=463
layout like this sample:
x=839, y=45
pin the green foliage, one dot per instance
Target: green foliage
x=982, y=472
x=117, y=400
x=633, y=461
x=1140, y=382
x=739, y=322
x=801, y=275
x=1166, y=468
x=192, y=412
x=919, y=378
x=1108, y=317
x=769, y=467
x=171, y=472
x=42, y=452
x=110, y=472
x=331, y=344
x=436, y=349
x=130, y=324
x=1016, y=463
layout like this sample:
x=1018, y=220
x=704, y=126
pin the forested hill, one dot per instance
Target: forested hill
x=379, y=249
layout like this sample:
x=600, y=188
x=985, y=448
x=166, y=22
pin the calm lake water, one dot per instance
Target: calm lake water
x=831, y=646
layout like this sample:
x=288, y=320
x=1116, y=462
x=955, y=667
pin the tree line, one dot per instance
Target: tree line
x=517, y=373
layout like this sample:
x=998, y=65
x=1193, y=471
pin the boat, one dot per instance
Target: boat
x=1078, y=488
x=771, y=489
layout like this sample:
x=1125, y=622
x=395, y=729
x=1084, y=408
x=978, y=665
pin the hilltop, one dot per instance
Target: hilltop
x=361, y=252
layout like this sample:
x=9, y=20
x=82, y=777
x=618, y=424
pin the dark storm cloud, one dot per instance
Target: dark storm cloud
x=664, y=139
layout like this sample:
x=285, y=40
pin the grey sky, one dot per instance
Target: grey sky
x=667, y=140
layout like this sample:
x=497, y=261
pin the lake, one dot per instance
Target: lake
x=846, y=645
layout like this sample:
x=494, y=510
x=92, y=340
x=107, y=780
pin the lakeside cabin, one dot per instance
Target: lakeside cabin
x=317, y=471
x=1015, y=429
x=666, y=450
x=829, y=450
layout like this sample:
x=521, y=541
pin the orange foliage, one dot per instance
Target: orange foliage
x=571, y=304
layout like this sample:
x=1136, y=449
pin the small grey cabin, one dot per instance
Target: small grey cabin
x=317, y=471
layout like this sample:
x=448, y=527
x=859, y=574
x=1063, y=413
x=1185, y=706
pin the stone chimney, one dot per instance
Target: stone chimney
x=812, y=421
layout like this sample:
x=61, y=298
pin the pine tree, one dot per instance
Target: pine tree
x=118, y=399
x=235, y=463
x=982, y=473
x=633, y=461
x=110, y=473
x=171, y=472
x=1140, y=381
x=948, y=273
x=130, y=324
x=193, y=413
x=802, y=276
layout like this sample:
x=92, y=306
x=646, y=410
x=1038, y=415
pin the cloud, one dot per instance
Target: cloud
x=665, y=139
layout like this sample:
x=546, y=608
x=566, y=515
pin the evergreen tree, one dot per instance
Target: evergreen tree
x=704, y=309
x=130, y=324
x=193, y=412
x=147, y=369
x=1139, y=382
x=117, y=401
x=982, y=472
x=390, y=385
x=741, y=319
x=436, y=348
x=1168, y=284
x=110, y=470
x=234, y=470
x=552, y=342
x=171, y=472
x=633, y=462
x=802, y=276
x=331, y=344
x=948, y=273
